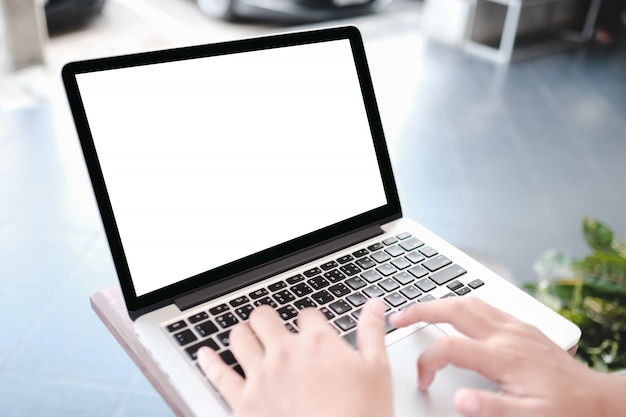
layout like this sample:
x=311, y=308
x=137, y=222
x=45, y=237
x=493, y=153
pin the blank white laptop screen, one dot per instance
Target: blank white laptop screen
x=210, y=160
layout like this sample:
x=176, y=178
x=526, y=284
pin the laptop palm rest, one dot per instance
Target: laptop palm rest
x=438, y=399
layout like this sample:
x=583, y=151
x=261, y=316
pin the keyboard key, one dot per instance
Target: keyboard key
x=455, y=285
x=404, y=235
x=277, y=286
x=411, y=292
x=418, y=271
x=375, y=247
x=244, y=312
x=239, y=301
x=401, y=263
x=388, y=327
x=356, y=313
x=301, y=289
x=329, y=265
x=445, y=275
x=403, y=278
x=425, y=298
x=395, y=299
x=388, y=284
x=360, y=253
x=228, y=357
x=322, y=297
x=192, y=351
x=258, y=293
x=380, y=257
x=339, y=290
x=329, y=315
x=345, y=259
x=287, y=312
x=318, y=282
x=340, y=307
x=334, y=276
x=224, y=338
x=206, y=329
x=462, y=291
x=198, y=317
x=176, y=326
x=436, y=263
x=415, y=257
x=185, y=337
x=239, y=370
x=475, y=284
x=296, y=278
x=226, y=320
x=390, y=241
x=350, y=338
x=312, y=272
x=345, y=323
x=371, y=276
x=373, y=291
x=425, y=285
x=411, y=244
x=292, y=328
x=304, y=303
x=356, y=282
x=386, y=270
x=394, y=251
x=356, y=299
x=283, y=297
x=265, y=300
x=218, y=309
x=428, y=252
x=365, y=263
x=350, y=269
x=448, y=295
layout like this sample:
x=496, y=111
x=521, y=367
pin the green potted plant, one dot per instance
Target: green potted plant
x=591, y=292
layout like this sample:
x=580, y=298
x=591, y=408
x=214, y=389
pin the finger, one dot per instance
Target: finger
x=469, y=315
x=475, y=403
x=462, y=352
x=228, y=382
x=371, y=330
x=267, y=325
x=311, y=319
x=245, y=346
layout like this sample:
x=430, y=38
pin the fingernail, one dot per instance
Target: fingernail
x=467, y=402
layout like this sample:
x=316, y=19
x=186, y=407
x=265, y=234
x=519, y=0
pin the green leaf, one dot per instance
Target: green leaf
x=600, y=237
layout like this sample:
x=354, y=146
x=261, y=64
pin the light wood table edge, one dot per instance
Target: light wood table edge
x=108, y=304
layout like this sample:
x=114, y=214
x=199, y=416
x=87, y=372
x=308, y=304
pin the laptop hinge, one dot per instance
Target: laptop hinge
x=293, y=261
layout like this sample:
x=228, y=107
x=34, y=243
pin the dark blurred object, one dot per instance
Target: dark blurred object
x=65, y=15
x=609, y=23
x=294, y=11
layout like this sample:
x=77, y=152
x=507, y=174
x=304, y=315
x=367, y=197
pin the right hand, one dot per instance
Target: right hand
x=536, y=377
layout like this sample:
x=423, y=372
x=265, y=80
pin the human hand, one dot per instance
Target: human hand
x=309, y=374
x=536, y=377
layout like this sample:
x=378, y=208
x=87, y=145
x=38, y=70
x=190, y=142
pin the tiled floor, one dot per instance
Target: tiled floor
x=505, y=161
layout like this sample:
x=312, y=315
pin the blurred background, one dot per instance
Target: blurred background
x=506, y=123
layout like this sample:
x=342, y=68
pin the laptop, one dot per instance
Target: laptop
x=255, y=172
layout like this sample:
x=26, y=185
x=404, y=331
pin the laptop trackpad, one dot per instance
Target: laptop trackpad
x=438, y=400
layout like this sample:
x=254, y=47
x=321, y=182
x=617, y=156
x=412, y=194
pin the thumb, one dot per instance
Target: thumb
x=475, y=403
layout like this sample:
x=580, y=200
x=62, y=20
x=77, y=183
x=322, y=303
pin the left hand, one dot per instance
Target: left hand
x=309, y=374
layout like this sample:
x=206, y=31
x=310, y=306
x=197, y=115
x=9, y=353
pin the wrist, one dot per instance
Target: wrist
x=609, y=391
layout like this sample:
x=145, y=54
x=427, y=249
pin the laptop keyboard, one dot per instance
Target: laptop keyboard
x=401, y=270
